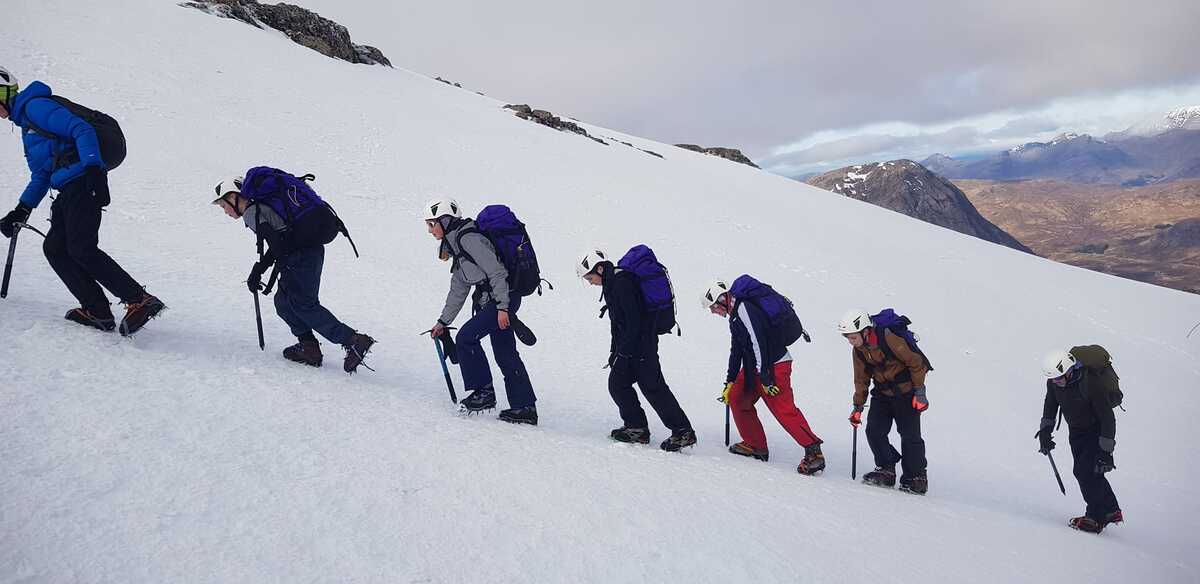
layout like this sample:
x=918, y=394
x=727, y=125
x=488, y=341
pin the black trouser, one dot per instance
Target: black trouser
x=1085, y=448
x=647, y=374
x=72, y=247
x=883, y=411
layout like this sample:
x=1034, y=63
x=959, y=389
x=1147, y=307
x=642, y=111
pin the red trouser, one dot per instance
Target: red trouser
x=782, y=406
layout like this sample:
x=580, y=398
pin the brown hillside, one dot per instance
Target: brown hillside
x=1128, y=232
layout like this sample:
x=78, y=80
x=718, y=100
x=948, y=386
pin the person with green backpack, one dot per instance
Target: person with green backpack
x=1083, y=387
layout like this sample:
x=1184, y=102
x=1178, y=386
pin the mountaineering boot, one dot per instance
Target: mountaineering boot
x=743, y=449
x=307, y=351
x=1114, y=517
x=882, y=476
x=813, y=462
x=479, y=400
x=87, y=318
x=138, y=313
x=631, y=435
x=679, y=440
x=356, y=351
x=916, y=484
x=1085, y=523
x=525, y=415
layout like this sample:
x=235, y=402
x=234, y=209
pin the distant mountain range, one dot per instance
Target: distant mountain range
x=1161, y=149
x=909, y=188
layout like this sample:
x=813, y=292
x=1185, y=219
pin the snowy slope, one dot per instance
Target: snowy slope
x=186, y=455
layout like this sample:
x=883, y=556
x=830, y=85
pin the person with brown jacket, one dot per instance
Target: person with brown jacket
x=895, y=373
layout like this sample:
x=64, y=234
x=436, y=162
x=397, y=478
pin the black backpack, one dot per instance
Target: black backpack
x=1098, y=363
x=108, y=134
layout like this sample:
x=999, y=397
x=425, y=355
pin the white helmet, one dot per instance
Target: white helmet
x=438, y=208
x=1057, y=363
x=854, y=321
x=713, y=293
x=8, y=87
x=590, y=259
x=230, y=185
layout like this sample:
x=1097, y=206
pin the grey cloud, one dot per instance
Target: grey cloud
x=874, y=147
x=755, y=75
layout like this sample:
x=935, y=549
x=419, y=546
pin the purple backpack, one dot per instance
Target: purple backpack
x=781, y=316
x=657, y=292
x=897, y=324
x=289, y=195
x=311, y=219
x=508, y=235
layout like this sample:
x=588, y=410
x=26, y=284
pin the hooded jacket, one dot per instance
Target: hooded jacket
x=1083, y=406
x=632, y=333
x=890, y=376
x=476, y=265
x=32, y=107
x=750, y=346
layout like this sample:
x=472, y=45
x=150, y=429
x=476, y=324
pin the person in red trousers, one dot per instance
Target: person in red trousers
x=760, y=366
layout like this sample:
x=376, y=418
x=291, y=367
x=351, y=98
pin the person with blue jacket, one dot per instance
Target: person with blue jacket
x=64, y=153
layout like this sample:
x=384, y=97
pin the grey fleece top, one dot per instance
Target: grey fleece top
x=478, y=266
x=257, y=214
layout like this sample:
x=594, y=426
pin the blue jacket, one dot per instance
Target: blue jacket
x=69, y=131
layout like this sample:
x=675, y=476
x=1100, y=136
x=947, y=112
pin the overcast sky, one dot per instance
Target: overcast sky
x=803, y=86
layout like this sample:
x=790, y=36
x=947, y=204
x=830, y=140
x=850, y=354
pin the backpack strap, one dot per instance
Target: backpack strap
x=463, y=254
x=883, y=346
x=341, y=224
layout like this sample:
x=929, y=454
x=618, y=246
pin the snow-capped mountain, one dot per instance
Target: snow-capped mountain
x=1184, y=118
x=1068, y=156
x=186, y=454
x=909, y=188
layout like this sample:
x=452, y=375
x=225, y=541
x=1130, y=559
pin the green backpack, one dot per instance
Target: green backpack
x=1098, y=362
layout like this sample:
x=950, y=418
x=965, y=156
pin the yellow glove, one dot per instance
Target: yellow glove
x=770, y=390
x=725, y=393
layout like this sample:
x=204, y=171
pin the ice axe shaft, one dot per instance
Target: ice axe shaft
x=445, y=370
x=262, y=344
x=854, y=455
x=8, y=264
x=1057, y=477
x=727, y=424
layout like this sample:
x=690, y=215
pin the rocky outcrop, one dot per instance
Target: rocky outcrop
x=727, y=153
x=303, y=26
x=909, y=188
x=545, y=118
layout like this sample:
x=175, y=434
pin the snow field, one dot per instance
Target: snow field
x=185, y=454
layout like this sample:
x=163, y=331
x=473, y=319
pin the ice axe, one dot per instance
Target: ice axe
x=443, y=355
x=1057, y=477
x=12, y=252
x=854, y=455
x=727, y=424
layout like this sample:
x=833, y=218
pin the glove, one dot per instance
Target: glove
x=1104, y=463
x=254, y=282
x=97, y=182
x=1045, y=438
x=18, y=215
x=919, y=402
x=771, y=390
x=856, y=416
x=725, y=393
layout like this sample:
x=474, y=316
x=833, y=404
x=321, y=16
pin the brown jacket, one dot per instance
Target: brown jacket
x=899, y=375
